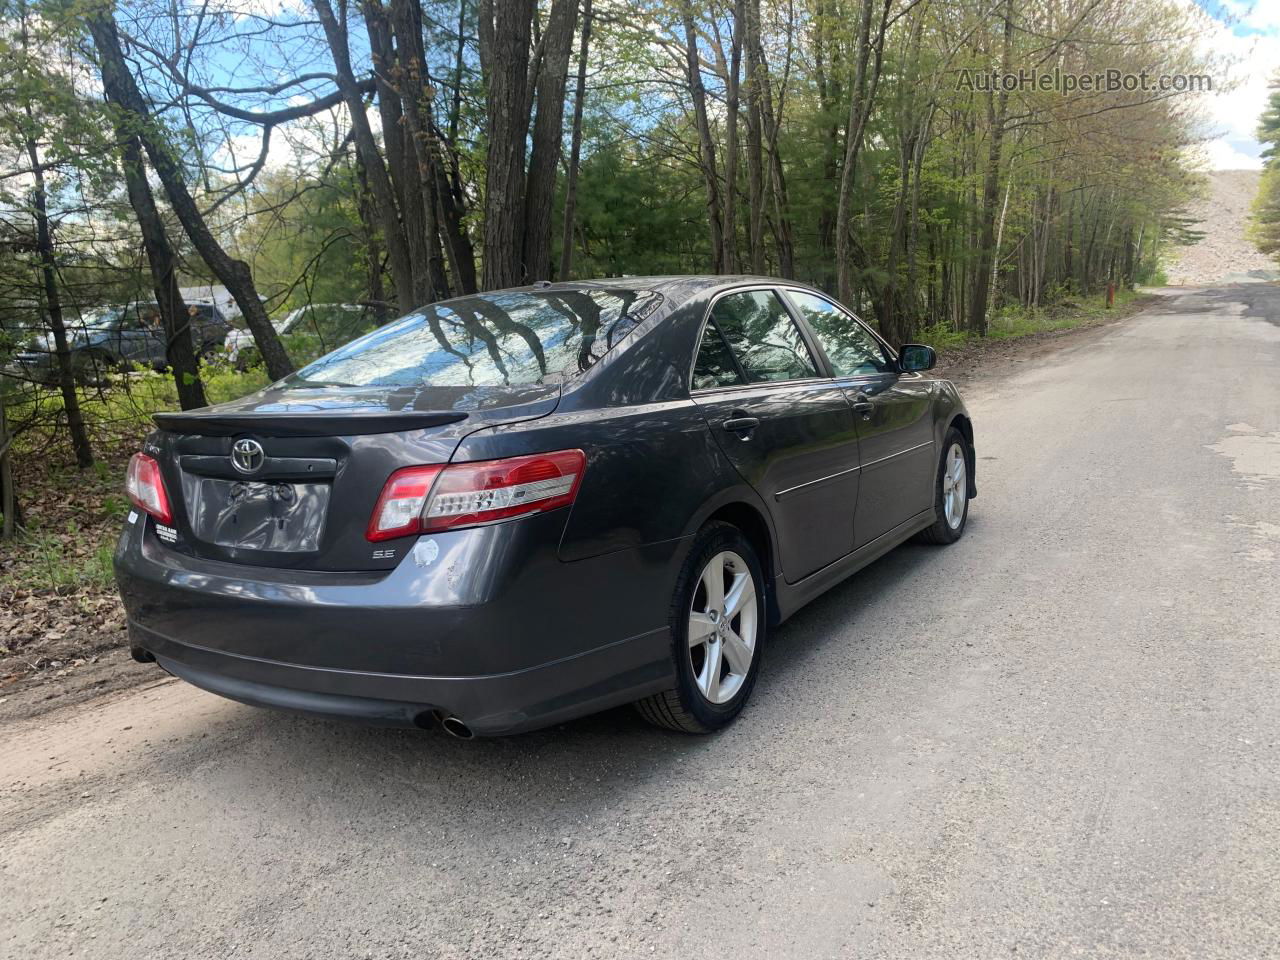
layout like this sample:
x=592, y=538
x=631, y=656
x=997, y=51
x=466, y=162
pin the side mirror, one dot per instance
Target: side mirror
x=914, y=357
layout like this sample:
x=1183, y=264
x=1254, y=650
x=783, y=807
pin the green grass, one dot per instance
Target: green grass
x=1018, y=321
x=73, y=516
x=60, y=562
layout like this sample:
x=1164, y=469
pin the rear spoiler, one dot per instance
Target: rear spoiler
x=324, y=424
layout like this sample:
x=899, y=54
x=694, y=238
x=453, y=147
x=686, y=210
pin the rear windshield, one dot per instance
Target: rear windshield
x=491, y=339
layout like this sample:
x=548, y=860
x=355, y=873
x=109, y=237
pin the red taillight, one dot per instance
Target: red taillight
x=398, y=511
x=426, y=499
x=145, y=487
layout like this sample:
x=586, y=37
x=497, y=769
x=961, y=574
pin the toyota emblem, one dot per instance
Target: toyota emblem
x=247, y=455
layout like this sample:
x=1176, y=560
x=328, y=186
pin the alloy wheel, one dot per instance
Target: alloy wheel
x=723, y=627
x=955, y=486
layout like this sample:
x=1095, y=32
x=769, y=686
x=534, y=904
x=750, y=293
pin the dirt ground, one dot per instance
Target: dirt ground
x=62, y=629
x=66, y=645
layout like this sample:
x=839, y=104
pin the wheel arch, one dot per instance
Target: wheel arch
x=962, y=423
x=759, y=533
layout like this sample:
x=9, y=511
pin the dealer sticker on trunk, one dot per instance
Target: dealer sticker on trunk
x=167, y=534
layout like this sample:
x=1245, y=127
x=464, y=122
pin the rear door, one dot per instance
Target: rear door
x=894, y=416
x=784, y=425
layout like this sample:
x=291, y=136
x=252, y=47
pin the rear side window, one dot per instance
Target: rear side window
x=851, y=349
x=762, y=336
x=714, y=366
x=491, y=339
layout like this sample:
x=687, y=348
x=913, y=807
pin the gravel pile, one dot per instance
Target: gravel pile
x=1225, y=254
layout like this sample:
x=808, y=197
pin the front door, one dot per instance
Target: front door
x=788, y=431
x=895, y=426
x=137, y=337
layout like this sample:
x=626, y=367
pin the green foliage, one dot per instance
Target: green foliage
x=1264, y=228
x=61, y=562
x=1269, y=122
x=306, y=246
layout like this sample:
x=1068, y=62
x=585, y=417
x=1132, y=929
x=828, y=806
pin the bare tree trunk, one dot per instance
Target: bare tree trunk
x=707, y=147
x=827, y=73
x=755, y=139
x=419, y=206
x=772, y=122
x=995, y=259
x=913, y=230
x=380, y=184
x=391, y=45
x=8, y=495
x=548, y=135
x=449, y=196
x=179, y=347
x=575, y=148
x=504, y=57
x=862, y=99
x=372, y=248
x=991, y=185
x=732, y=102
x=53, y=305
x=122, y=90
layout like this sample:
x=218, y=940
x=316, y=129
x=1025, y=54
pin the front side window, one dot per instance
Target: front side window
x=853, y=351
x=490, y=339
x=763, y=337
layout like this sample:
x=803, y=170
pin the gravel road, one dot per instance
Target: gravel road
x=1057, y=738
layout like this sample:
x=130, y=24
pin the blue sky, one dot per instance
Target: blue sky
x=1250, y=33
x=1245, y=32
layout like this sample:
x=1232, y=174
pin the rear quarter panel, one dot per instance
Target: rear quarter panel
x=651, y=469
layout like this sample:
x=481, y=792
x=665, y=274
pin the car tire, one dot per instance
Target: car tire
x=92, y=367
x=716, y=647
x=951, y=507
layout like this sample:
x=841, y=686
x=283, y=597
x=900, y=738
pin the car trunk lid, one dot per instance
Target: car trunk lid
x=288, y=477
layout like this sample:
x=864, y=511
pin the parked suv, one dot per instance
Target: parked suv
x=119, y=336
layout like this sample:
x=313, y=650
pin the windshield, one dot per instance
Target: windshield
x=100, y=319
x=492, y=339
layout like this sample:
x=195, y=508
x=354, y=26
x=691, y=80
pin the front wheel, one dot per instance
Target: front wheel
x=951, y=492
x=717, y=628
x=91, y=368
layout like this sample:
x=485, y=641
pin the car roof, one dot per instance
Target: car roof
x=676, y=287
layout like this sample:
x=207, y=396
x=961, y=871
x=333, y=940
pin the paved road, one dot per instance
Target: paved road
x=1057, y=738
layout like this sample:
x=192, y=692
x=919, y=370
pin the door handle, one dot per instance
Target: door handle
x=862, y=404
x=741, y=424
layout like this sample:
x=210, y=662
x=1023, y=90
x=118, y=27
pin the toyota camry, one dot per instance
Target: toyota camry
x=513, y=508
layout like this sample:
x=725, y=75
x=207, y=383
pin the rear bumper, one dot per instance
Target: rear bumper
x=506, y=637
x=490, y=705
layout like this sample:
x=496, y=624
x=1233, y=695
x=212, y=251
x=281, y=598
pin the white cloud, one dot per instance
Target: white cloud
x=1221, y=155
x=1251, y=40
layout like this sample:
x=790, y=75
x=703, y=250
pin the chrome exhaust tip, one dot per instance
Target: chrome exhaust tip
x=456, y=728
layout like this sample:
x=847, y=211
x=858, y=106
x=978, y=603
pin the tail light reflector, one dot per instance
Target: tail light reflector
x=398, y=511
x=428, y=499
x=145, y=488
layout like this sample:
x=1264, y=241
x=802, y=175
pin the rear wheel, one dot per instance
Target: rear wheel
x=91, y=368
x=718, y=628
x=951, y=492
